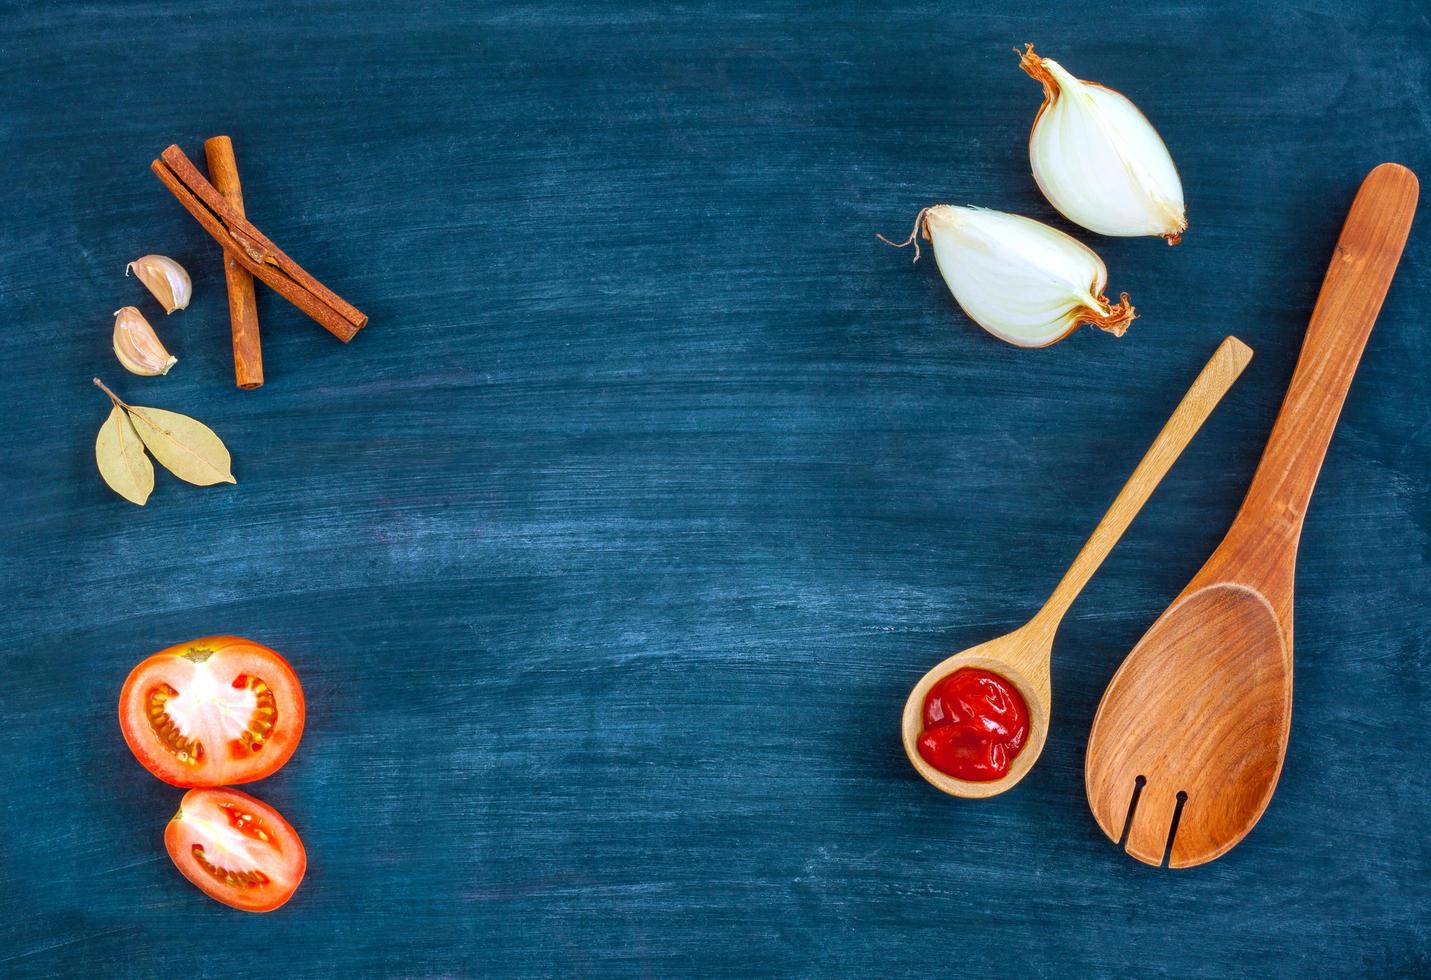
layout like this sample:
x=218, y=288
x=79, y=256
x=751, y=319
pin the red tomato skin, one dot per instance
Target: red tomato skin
x=176, y=843
x=152, y=756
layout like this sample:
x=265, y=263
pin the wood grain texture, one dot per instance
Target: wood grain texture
x=1024, y=656
x=1189, y=738
x=243, y=305
x=609, y=551
x=1262, y=550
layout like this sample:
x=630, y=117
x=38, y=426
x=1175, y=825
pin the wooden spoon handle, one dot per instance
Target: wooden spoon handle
x=1212, y=383
x=1264, y=536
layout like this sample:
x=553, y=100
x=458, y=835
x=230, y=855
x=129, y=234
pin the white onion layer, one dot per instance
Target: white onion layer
x=1024, y=282
x=1099, y=160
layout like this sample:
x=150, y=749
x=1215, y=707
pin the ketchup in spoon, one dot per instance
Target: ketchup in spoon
x=975, y=723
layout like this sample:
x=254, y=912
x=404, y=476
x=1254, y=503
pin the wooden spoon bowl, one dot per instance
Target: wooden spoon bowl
x=1218, y=669
x=1022, y=658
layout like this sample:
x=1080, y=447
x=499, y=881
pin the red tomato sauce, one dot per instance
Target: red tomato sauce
x=975, y=724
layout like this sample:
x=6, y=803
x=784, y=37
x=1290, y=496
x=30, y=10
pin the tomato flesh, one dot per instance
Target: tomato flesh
x=238, y=850
x=212, y=712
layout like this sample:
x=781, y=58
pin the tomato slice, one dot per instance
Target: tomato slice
x=236, y=849
x=212, y=712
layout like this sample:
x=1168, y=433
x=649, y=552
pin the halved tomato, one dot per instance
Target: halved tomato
x=212, y=712
x=237, y=849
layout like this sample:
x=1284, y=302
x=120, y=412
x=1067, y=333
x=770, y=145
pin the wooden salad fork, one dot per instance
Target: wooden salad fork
x=1189, y=738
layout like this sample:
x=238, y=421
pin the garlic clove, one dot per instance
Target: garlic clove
x=137, y=346
x=165, y=278
x=1024, y=282
x=1099, y=160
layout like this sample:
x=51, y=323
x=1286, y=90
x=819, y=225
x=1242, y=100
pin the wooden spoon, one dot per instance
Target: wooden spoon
x=1023, y=655
x=1188, y=741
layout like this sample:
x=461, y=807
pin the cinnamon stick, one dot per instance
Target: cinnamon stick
x=252, y=249
x=243, y=313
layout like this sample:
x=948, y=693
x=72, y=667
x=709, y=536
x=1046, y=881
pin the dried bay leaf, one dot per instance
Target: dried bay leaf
x=187, y=448
x=120, y=454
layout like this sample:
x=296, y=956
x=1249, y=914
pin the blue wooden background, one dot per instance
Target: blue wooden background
x=608, y=552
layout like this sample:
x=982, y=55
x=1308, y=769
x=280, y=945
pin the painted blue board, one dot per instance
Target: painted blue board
x=608, y=552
